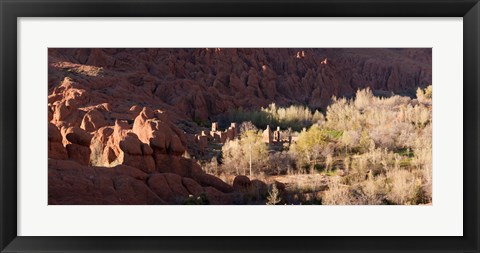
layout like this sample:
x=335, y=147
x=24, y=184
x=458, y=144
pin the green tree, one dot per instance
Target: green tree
x=310, y=144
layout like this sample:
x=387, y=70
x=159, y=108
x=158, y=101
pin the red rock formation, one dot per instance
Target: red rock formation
x=119, y=145
x=124, y=117
x=217, y=197
x=93, y=120
x=124, y=160
x=241, y=183
x=161, y=135
x=209, y=180
x=168, y=186
x=56, y=150
x=192, y=186
x=78, y=146
x=201, y=83
x=70, y=183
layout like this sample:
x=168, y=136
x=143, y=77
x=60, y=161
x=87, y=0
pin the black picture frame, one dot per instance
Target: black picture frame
x=10, y=10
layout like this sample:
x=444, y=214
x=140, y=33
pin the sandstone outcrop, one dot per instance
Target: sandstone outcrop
x=78, y=145
x=201, y=83
x=127, y=163
x=93, y=120
x=56, y=150
x=71, y=183
x=161, y=135
x=192, y=186
x=241, y=183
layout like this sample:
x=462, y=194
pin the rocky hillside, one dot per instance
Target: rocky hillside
x=120, y=120
x=202, y=83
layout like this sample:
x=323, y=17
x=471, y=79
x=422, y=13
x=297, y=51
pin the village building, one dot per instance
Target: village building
x=216, y=135
x=267, y=135
x=274, y=139
x=276, y=135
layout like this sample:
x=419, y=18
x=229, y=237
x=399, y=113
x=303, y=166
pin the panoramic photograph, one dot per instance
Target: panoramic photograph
x=240, y=126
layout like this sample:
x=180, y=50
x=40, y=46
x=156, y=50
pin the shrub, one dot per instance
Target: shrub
x=404, y=187
x=280, y=163
x=273, y=195
x=363, y=99
x=373, y=191
x=337, y=193
x=202, y=199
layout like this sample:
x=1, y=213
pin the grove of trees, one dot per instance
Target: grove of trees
x=369, y=150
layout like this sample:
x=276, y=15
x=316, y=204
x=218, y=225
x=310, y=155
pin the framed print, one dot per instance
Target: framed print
x=227, y=126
